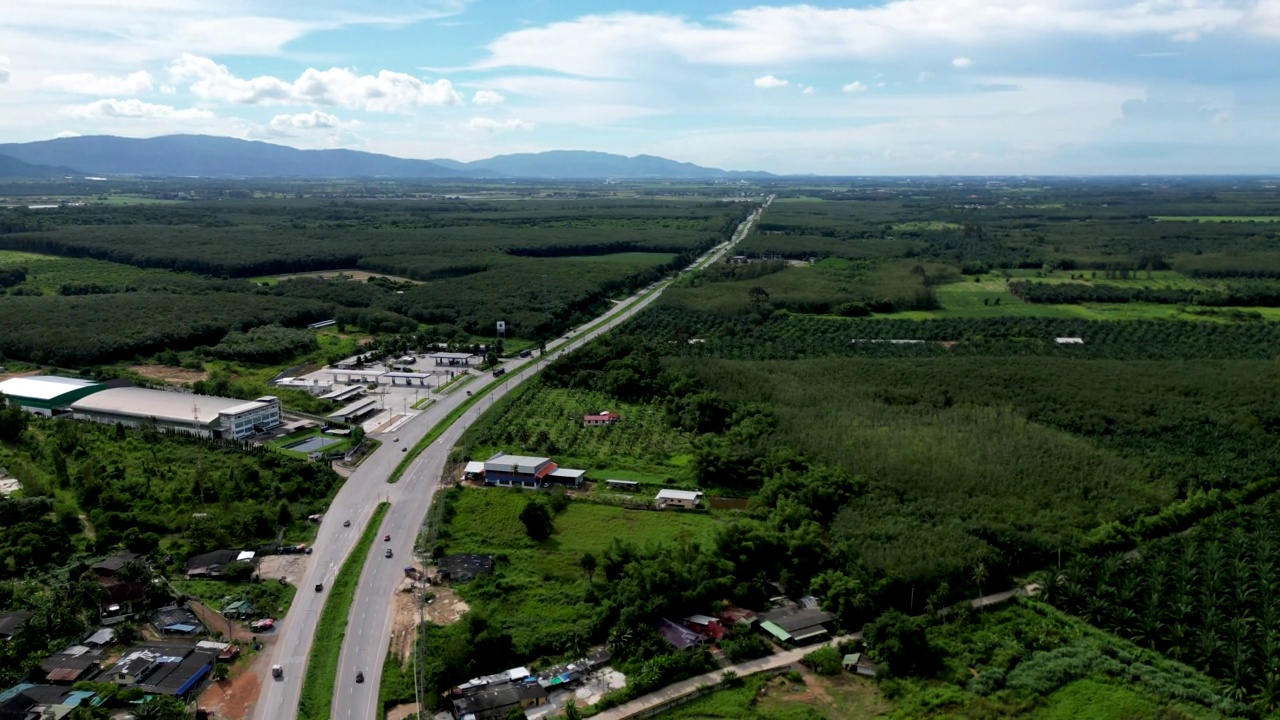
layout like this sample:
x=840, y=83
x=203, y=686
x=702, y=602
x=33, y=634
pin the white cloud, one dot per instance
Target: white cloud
x=135, y=109
x=855, y=86
x=961, y=62
x=67, y=134
x=487, y=97
x=90, y=84
x=1186, y=36
x=629, y=43
x=808, y=90
x=314, y=120
x=4, y=69
x=924, y=76
x=769, y=81
x=388, y=91
x=488, y=125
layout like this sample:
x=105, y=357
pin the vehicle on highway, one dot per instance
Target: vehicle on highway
x=359, y=676
x=277, y=672
x=319, y=587
x=346, y=523
x=526, y=353
x=388, y=553
x=262, y=625
x=386, y=538
x=499, y=372
x=404, y=449
x=395, y=439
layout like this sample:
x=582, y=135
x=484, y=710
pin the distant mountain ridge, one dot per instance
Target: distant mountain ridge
x=12, y=167
x=586, y=164
x=223, y=157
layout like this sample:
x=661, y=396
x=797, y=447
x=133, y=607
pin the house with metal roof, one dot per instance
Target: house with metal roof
x=517, y=470
x=43, y=701
x=47, y=394
x=71, y=665
x=796, y=626
x=678, y=636
x=687, y=499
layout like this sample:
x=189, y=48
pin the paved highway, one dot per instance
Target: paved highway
x=368, y=633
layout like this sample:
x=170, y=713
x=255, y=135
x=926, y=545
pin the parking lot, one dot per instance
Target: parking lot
x=394, y=400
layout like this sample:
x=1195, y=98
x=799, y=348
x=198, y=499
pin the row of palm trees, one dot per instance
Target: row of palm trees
x=1209, y=597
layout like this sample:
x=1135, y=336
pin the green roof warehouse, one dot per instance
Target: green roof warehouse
x=43, y=394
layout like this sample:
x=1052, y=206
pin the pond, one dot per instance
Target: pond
x=312, y=444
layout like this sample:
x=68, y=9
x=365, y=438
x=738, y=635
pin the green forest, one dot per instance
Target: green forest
x=97, y=284
x=900, y=452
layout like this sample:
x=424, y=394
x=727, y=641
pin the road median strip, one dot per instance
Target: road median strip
x=322, y=664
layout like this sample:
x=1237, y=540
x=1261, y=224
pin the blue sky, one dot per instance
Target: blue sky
x=880, y=87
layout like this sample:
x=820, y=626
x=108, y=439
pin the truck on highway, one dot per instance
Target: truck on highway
x=277, y=672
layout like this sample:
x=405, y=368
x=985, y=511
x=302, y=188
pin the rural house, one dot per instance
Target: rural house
x=687, y=499
x=605, y=417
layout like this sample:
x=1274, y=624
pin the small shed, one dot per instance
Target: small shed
x=687, y=499
x=606, y=417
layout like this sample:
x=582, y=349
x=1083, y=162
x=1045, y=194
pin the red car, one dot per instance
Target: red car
x=262, y=625
x=386, y=538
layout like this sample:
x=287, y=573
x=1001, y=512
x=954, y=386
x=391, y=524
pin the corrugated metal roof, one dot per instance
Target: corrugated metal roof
x=42, y=387
x=679, y=495
x=176, y=407
x=775, y=631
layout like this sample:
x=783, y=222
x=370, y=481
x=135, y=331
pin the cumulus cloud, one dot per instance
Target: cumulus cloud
x=808, y=90
x=135, y=109
x=4, y=69
x=487, y=125
x=388, y=91
x=769, y=81
x=487, y=97
x=855, y=86
x=67, y=134
x=314, y=120
x=961, y=62
x=90, y=84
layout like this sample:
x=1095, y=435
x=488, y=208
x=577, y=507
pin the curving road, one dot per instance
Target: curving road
x=368, y=633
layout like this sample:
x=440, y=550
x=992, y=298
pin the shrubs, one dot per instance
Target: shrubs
x=824, y=661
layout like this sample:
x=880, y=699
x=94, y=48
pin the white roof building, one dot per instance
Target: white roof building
x=199, y=414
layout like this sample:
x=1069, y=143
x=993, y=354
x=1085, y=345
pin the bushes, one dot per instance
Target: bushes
x=744, y=644
x=824, y=661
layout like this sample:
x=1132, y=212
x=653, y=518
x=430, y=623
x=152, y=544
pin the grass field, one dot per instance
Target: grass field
x=269, y=598
x=49, y=272
x=965, y=300
x=538, y=592
x=322, y=667
x=843, y=697
x=925, y=225
x=1217, y=218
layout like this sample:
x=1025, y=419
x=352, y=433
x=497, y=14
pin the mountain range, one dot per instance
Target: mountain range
x=223, y=157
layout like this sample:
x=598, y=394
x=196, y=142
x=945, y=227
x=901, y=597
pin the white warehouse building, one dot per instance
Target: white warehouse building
x=203, y=415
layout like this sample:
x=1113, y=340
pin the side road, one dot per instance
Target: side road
x=659, y=698
x=642, y=706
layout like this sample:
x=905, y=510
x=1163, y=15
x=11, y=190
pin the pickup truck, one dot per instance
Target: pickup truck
x=277, y=672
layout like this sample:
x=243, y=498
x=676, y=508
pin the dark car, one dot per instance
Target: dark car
x=346, y=523
x=388, y=552
x=359, y=677
x=319, y=587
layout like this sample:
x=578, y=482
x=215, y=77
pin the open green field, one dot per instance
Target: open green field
x=842, y=697
x=538, y=591
x=1218, y=218
x=968, y=299
x=270, y=598
x=925, y=226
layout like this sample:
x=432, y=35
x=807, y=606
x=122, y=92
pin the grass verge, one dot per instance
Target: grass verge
x=322, y=665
